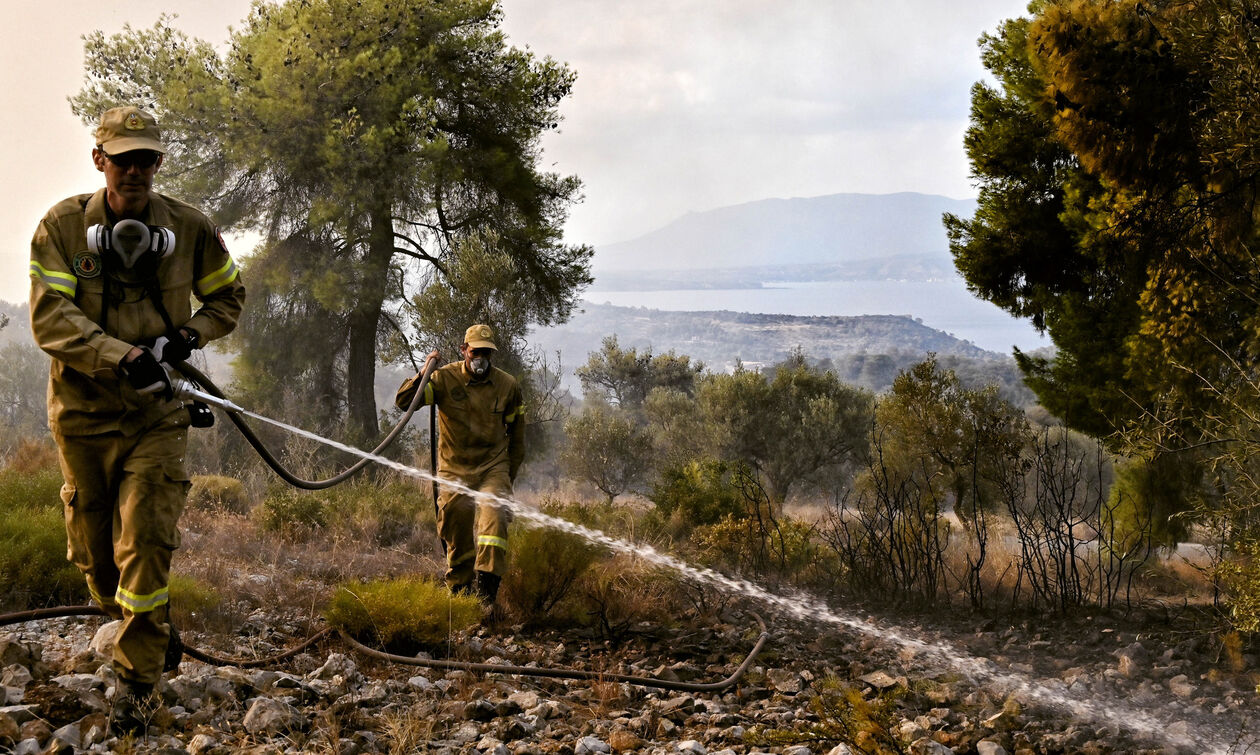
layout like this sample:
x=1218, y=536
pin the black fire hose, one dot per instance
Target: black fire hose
x=482, y=668
x=560, y=673
x=198, y=377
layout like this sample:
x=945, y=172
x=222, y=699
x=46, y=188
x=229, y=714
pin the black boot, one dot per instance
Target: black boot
x=174, y=651
x=133, y=709
x=487, y=587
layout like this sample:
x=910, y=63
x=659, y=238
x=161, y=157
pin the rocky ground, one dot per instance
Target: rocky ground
x=1098, y=689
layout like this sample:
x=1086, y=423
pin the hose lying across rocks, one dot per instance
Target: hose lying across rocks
x=480, y=668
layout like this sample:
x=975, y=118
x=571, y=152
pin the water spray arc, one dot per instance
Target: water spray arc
x=801, y=607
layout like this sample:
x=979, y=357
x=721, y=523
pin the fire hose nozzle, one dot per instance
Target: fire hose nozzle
x=186, y=389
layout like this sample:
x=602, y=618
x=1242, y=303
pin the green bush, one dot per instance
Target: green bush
x=402, y=615
x=291, y=511
x=218, y=493
x=33, y=567
x=383, y=514
x=1240, y=576
x=192, y=596
x=698, y=492
x=28, y=491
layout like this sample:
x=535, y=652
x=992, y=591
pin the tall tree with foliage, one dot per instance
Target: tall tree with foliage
x=798, y=424
x=1118, y=173
x=624, y=377
x=382, y=148
x=960, y=442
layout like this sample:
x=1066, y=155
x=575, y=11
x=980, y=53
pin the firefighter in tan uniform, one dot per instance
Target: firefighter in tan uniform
x=481, y=445
x=112, y=274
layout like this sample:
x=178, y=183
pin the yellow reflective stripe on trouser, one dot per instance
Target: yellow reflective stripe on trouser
x=141, y=603
x=218, y=279
x=453, y=561
x=63, y=282
x=492, y=541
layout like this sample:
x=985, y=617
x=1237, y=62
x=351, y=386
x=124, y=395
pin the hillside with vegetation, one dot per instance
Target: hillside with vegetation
x=867, y=351
x=941, y=568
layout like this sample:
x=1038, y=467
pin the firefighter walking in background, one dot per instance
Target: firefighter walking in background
x=481, y=445
x=112, y=276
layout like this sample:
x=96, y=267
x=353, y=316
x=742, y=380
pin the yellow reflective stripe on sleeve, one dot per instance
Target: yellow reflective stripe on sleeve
x=493, y=541
x=143, y=603
x=63, y=282
x=517, y=412
x=218, y=279
x=428, y=392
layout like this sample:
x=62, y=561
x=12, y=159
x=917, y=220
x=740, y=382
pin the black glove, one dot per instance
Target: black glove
x=199, y=415
x=174, y=350
x=147, y=376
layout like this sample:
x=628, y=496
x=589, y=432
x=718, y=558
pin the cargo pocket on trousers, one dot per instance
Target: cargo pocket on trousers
x=175, y=485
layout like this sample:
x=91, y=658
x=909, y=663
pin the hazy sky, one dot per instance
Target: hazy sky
x=679, y=106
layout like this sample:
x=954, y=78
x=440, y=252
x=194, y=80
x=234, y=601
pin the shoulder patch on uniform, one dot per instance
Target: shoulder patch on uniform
x=219, y=235
x=87, y=264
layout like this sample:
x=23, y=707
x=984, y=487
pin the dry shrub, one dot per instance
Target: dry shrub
x=218, y=493
x=843, y=716
x=407, y=731
x=546, y=566
x=619, y=593
x=403, y=615
x=33, y=455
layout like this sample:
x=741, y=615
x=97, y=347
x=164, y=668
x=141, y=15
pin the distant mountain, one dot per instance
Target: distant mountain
x=836, y=230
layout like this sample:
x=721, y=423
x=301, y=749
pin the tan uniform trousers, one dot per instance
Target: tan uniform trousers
x=475, y=532
x=123, y=496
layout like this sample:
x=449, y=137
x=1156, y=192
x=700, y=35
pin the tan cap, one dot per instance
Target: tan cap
x=478, y=337
x=128, y=128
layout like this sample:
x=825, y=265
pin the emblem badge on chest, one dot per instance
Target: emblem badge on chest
x=87, y=265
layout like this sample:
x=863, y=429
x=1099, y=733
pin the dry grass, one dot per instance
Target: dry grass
x=258, y=568
x=407, y=731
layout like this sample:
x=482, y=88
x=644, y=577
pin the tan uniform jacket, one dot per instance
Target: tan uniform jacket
x=481, y=422
x=86, y=394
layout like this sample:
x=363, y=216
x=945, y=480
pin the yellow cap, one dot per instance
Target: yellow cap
x=478, y=337
x=128, y=128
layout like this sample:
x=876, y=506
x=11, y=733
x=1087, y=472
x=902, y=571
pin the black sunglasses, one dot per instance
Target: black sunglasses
x=138, y=158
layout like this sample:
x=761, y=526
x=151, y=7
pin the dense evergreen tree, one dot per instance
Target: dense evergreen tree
x=1117, y=165
x=380, y=147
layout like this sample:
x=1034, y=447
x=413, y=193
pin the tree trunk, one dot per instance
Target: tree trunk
x=364, y=321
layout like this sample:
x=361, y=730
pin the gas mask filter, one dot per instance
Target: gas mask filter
x=480, y=365
x=131, y=241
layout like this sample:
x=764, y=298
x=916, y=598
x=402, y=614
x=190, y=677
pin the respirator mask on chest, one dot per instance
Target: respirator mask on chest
x=132, y=243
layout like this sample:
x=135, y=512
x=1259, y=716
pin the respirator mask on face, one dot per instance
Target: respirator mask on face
x=480, y=365
x=131, y=242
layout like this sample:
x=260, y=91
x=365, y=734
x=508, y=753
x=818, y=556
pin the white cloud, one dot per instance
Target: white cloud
x=680, y=105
